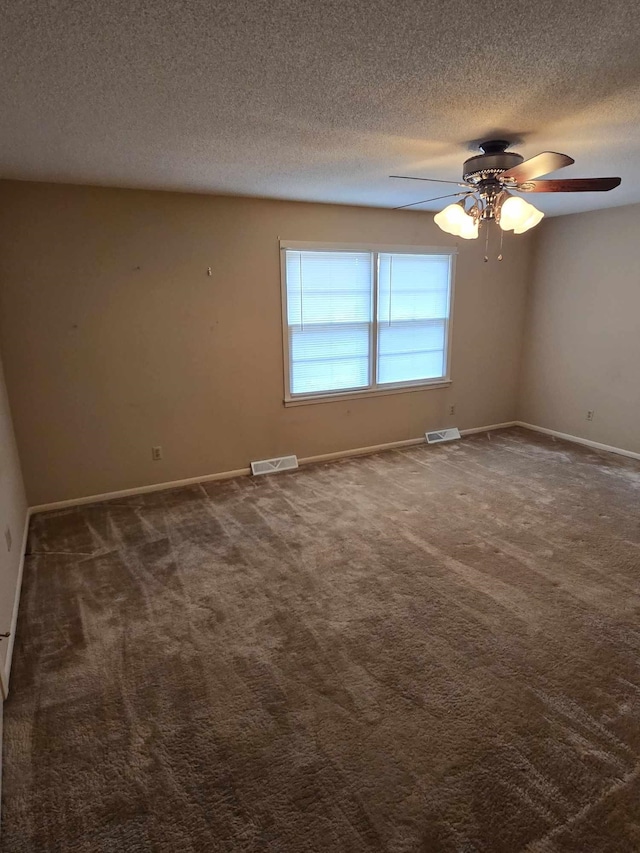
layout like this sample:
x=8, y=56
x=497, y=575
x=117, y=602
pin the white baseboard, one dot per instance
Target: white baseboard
x=139, y=490
x=576, y=439
x=390, y=445
x=241, y=472
x=490, y=428
x=360, y=451
x=6, y=672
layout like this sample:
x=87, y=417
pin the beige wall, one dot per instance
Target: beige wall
x=582, y=343
x=13, y=512
x=115, y=339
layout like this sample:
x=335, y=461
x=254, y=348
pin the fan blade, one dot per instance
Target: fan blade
x=432, y=180
x=541, y=164
x=571, y=185
x=425, y=200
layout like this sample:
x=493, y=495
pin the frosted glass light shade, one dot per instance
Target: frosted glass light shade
x=451, y=219
x=454, y=220
x=518, y=215
x=469, y=229
x=534, y=219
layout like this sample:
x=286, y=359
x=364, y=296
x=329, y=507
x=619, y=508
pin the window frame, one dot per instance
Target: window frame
x=373, y=389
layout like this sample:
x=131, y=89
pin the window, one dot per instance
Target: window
x=362, y=321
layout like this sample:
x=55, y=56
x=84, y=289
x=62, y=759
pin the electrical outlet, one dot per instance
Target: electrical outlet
x=590, y=415
x=452, y=409
x=7, y=536
x=156, y=453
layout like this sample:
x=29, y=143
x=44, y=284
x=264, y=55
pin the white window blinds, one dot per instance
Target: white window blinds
x=413, y=310
x=329, y=312
x=357, y=320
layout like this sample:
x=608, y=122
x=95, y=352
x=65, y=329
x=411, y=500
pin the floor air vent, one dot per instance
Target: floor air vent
x=437, y=436
x=271, y=466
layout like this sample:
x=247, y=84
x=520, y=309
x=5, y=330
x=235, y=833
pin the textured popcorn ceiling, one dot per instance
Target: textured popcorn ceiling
x=318, y=100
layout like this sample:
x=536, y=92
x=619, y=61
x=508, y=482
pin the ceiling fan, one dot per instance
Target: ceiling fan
x=489, y=181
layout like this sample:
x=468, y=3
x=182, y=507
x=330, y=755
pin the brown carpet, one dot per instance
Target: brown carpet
x=431, y=649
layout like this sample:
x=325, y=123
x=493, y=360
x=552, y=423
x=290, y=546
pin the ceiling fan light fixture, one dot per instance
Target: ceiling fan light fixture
x=489, y=179
x=518, y=215
x=455, y=220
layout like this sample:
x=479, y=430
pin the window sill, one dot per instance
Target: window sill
x=367, y=392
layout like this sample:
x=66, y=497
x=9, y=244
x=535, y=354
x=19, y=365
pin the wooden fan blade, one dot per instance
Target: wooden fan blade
x=571, y=185
x=425, y=200
x=541, y=164
x=431, y=180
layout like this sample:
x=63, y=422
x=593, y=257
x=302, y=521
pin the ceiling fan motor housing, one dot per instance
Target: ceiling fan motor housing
x=492, y=162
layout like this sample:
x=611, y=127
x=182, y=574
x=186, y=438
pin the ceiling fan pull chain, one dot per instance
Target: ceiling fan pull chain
x=486, y=245
x=501, y=239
